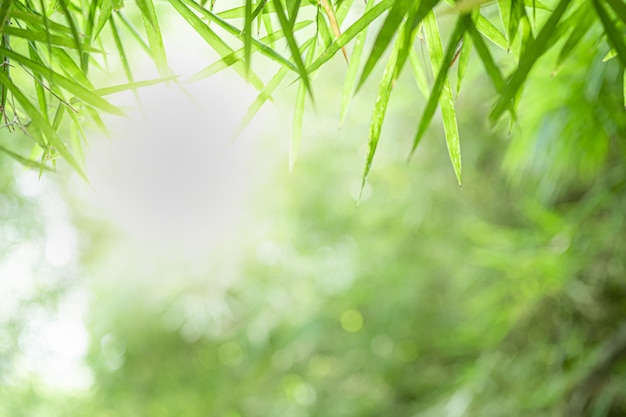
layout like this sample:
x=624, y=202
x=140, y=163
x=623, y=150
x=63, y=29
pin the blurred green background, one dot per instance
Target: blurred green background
x=505, y=297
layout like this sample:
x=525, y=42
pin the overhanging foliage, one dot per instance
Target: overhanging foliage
x=48, y=49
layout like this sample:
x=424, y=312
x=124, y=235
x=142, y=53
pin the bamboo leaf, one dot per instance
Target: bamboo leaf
x=582, y=26
x=616, y=38
x=357, y=27
x=353, y=68
x=5, y=9
x=40, y=123
x=261, y=47
x=293, y=46
x=528, y=59
x=38, y=36
x=386, y=33
x=298, y=114
x=334, y=24
x=440, y=93
x=247, y=36
x=28, y=163
x=445, y=97
x=229, y=60
x=380, y=107
x=214, y=41
x=619, y=7
x=464, y=56
x=153, y=31
x=420, y=75
x=54, y=77
x=491, y=32
x=493, y=71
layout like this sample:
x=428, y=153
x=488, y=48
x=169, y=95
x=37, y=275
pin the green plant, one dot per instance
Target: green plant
x=48, y=51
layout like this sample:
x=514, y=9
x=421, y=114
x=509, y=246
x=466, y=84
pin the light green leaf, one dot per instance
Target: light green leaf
x=41, y=124
x=380, y=106
x=527, y=60
x=151, y=24
x=353, y=68
x=441, y=92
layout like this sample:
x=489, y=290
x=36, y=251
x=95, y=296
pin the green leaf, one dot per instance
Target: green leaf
x=293, y=46
x=441, y=92
x=532, y=53
x=298, y=114
x=38, y=36
x=491, y=32
x=582, y=25
x=261, y=47
x=353, y=68
x=380, y=107
x=28, y=163
x=493, y=71
x=445, y=97
x=464, y=56
x=151, y=24
x=54, y=77
x=214, y=41
x=103, y=18
x=419, y=73
x=42, y=124
x=5, y=8
x=357, y=27
x=247, y=36
x=615, y=36
x=619, y=7
x=229, y=60
x=386, y=33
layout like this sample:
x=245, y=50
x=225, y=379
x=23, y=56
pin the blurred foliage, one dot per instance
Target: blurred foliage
x=505, y=297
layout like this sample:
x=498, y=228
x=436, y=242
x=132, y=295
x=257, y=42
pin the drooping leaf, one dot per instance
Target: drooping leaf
x=464, y=56
x=215, y=41
x=353, y=68
x=229, y=60
x=155, y=39
x=385, y=35
x=78, y=90
x=298, y=114
x=293, y=46
x=534, y=51
x=581, y=26
x=41, y=124
x=442, y=92
x=616, y=37
x=380, y=108
x=357, y=27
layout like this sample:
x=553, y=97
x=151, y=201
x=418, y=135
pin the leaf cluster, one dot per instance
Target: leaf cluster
x=47, y=49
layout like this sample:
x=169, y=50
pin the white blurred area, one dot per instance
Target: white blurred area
x=172, y=173
x=173, y=186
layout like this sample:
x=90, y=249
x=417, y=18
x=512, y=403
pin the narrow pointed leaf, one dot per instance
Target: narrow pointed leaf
x=534, y=51
x=41, y=124
x=293, y=46
x=78, y=90
x=153, y=31
x=466, y=50
x=214, y=41
x=386, y=33
x=247, y=35
x=357, y=27
x=298, y=114
x=380, y=108
x=616, y=37
x=452, y=139
x=229, y=60
x=353, y=68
